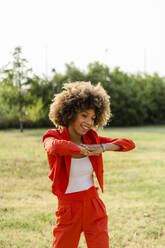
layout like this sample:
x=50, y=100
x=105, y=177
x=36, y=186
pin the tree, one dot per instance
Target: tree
x=14, y=85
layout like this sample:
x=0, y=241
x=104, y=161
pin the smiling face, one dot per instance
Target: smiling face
x=83, y=122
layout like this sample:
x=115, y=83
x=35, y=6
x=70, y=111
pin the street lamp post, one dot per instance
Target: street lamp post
x=53, y=81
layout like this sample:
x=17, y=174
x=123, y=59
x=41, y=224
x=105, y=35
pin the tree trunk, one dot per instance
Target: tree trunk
x=20, y=111
x=21, y=126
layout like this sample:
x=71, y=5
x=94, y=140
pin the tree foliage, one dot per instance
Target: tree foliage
x=136, y=99
x=12, y=89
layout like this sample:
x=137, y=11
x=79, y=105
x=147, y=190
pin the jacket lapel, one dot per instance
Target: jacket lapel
x=67, y=158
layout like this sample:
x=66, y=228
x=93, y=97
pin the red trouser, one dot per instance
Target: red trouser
x=81, y=212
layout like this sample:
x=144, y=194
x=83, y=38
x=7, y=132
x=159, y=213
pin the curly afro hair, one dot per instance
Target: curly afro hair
x=77, y=97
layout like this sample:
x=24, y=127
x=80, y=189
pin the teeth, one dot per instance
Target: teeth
x=85, y=127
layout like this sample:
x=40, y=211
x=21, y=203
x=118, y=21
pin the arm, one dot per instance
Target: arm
x=114, y=144
x=110, y=144
x=55, y=146
x=95, y=150
x=110, y=147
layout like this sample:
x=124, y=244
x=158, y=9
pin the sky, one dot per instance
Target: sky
x=129, y=34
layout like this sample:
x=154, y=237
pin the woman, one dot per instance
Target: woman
x=74, y=154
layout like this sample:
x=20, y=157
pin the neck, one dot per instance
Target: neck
x=75, y=138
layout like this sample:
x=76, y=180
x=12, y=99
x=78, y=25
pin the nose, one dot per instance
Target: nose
x=89, y=121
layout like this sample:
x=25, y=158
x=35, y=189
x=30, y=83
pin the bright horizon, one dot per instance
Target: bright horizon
x=126, y=34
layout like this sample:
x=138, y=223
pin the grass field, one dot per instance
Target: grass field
x=134, y=194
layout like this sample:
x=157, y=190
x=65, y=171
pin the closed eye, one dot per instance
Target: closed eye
x=85, y=116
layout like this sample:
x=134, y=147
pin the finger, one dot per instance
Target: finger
x=92, y=146
x=92, y=149
x=93, y=153
x=83, y=145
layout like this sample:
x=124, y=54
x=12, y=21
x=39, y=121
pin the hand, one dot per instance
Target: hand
x=92, y=150
x=84, y=150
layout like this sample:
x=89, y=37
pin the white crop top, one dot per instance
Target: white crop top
x=80, y=175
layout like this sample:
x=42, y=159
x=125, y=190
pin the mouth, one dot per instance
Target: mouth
x=85, y=128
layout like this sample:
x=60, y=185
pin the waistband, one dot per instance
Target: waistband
x=79, y=196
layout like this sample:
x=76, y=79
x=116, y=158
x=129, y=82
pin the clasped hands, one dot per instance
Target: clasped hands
x=90, y=150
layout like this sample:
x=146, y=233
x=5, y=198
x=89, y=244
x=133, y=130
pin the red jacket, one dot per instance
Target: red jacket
x=59, y=152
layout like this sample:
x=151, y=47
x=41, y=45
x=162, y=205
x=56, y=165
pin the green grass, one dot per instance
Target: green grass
x=134, y=184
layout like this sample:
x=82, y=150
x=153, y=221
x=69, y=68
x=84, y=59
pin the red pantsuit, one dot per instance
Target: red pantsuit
x=81, y=212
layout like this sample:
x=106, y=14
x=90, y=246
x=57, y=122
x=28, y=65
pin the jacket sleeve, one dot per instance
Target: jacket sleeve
x=55, y=146
x=125, y=144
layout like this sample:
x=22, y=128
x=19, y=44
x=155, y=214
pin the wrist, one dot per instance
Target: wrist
x=112, y=147
x=103, y=147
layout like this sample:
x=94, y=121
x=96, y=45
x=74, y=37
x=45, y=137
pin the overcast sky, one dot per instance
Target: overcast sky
x=129, y=34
